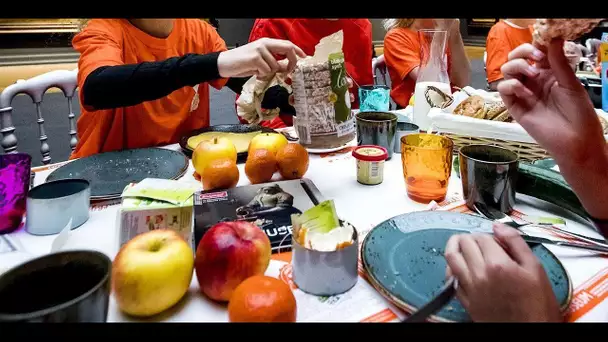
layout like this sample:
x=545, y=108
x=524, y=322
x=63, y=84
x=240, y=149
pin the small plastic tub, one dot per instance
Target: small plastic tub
x=370, y=163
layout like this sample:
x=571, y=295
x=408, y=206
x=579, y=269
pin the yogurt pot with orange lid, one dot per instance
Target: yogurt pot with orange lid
x=370, y=163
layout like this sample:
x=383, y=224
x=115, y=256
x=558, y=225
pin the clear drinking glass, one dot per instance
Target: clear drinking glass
x=433, y=72
x=14, y=186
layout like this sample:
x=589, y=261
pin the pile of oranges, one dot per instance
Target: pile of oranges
x=215, y=161
x=290, y=160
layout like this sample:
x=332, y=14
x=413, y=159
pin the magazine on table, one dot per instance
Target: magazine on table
x=268, y=205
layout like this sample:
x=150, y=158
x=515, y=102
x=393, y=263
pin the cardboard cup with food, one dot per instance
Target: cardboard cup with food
x=325, y=251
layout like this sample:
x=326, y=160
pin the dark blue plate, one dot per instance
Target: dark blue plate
x=109, y=173
x=403, y=257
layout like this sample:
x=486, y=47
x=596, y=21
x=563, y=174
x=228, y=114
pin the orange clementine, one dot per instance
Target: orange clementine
x=196, y=176
x=292, y=161
x=260, y=166
x=220, y=174
x=262, y=299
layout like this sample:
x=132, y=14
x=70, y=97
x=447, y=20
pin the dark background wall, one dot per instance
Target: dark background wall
x=236, y=31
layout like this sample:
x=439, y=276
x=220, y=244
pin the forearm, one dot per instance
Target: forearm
x=131, y=84
x=589, y=180
x=460, y=73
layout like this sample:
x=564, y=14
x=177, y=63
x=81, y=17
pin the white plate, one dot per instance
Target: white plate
x=330, y=150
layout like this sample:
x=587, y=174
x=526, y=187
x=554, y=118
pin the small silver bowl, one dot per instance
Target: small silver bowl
x=50, y=206
x=325, y=273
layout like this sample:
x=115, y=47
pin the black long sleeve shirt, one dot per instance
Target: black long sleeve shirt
x=130, y=84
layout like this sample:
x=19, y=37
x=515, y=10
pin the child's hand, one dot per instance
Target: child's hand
x=256, y=58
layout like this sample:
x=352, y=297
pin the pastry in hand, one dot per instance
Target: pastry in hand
x=546, y=30
x=604, y=124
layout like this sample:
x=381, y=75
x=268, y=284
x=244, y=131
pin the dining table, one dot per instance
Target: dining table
x=364, y=206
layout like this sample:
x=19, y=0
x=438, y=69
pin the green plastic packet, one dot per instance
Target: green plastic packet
x=321, y=218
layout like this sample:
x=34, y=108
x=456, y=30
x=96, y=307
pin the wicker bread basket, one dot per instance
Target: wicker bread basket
x=466, y=131
x=526, y=151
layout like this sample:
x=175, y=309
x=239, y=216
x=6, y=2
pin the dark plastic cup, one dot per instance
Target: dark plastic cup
x=14, y=185
x=72, y=286
x=489, y=175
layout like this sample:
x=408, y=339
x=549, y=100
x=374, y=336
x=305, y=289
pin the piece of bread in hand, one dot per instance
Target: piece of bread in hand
x=546, y=30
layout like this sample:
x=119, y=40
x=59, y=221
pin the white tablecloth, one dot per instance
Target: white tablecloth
x=363, y=206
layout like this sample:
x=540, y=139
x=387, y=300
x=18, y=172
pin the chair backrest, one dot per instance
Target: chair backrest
x=485, y=70
x=593, y=45
x=36, y=87
x=379, y=69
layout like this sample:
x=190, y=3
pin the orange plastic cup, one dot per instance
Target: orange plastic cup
x=427, y=166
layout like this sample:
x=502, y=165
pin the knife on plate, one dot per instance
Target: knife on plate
x=446, y=293
x=538, y=239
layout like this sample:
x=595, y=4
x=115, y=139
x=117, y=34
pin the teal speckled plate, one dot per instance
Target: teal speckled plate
x=548, y=164
x=403, y=257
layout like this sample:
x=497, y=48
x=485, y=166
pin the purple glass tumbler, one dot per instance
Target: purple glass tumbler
x=14, y=186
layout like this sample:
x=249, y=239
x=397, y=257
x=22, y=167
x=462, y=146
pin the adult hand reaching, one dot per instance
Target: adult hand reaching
x=256, y=58
x=549, y=101
x=500, y=279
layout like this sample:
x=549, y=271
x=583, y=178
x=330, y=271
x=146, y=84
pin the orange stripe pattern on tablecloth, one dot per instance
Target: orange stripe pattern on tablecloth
x=386, y=315
x=588, y=295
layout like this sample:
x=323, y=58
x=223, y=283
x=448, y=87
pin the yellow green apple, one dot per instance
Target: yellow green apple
x=272, y=142
x=152, y=272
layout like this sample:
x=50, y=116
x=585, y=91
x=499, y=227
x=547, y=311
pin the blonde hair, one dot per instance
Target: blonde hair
x=390, y=24
x=82, y=23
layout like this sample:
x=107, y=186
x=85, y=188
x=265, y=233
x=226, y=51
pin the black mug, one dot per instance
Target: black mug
x=72, y=286
x=488, y=175
x=377, y=128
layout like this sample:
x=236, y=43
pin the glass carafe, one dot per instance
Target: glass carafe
x=433, y=71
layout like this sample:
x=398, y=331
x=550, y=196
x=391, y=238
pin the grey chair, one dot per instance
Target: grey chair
x=36, y=87
x=379, y=69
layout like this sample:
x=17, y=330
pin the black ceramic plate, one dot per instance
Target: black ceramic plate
x=241, y=157
x=109, y=173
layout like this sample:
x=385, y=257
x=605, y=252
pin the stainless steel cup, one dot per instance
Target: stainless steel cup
x=403, y=129
x=325, y=273
x=50, y=206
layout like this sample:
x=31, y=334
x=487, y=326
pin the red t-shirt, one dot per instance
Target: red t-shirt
x=306, y=33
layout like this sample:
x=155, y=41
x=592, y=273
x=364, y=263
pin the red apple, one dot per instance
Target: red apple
x=229, y=253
